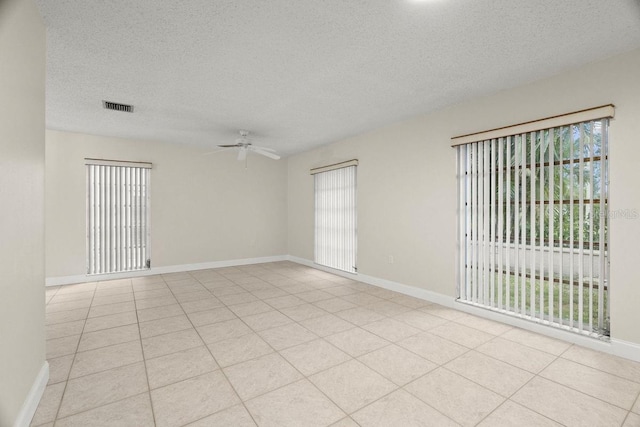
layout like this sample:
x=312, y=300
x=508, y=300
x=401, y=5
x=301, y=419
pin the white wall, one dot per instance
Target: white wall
x=22, y=73
x=407, y=182
x=203, y=208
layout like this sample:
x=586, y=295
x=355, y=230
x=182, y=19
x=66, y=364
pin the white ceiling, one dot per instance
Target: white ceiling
x=303, y=73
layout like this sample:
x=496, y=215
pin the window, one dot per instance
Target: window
x=533, y=235
x=335, y=216
x=117, y=216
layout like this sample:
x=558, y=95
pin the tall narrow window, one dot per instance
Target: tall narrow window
x=117, y=216
x=335, y=216
x=533, y=213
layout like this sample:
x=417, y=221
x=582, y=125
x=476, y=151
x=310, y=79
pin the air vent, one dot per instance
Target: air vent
x=117, y=107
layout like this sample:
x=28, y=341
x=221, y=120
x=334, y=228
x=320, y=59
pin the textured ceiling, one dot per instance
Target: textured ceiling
x=303, y=73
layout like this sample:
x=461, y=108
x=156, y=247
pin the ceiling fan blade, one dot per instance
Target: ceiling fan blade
x=242, y=154
x=266, y=153
x=208, y=153
x=264, y=148
x=229, y=145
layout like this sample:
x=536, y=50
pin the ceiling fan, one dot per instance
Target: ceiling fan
x=245, y=145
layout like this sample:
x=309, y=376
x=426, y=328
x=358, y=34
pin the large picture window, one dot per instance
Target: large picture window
x=117, y=216
x=533, y=234
x=335, y=216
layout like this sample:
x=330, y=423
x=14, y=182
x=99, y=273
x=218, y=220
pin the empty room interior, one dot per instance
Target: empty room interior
x=343, y=213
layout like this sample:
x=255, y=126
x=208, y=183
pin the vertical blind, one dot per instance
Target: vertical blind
x=335, y=216
x=533, y=232
x=117, y=216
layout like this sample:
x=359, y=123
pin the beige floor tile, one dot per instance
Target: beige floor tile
x=250, y=308
x=636, y=407
x=610, y=388
x=59, y=368
x=170, y=343
x=239, y=349
x=237, y=298
x=391, y=330
x=155, y=313
x=335, y=304
x=339, y=291
x=112, y=299
x=155, y=302
x=461, y=334
x=287, y=336
x=201, y=305
x=49, y=403
x=61, y=330
x=517, y=354
x=62, y=346
x=284, y=301
x=153, y=293
x=223, y=330
x=400, y=409
x=294, y=405
x=605, y=362
x=432, y=347
x=258, y=376
x=346, y=422
x=303, y=312
x=66, y=316
x=388, y=308
x=104, y=310
x=107, y=337
x=225, y=289
x=421, y=320
x=511, y=414
x=165, y=325
x=352, y=385
x=208, y=317
x=407, y=301
x=107, y=291
x=537, y=341
x=179, y=366
x=192, y=399
x=314, y=356
x=102, y=359
x=397, y=364
x=360, y=316
x=357, y=341
x=633, y=420
x=314, y=296
x=486, y=325
x=327, y=325
x=132, y=411
x=236, y=416
x=491, y=373
x=266, y=320
x=456, y=397
x=105, y=387
x=550, y=399
x=362, y=298
x=444, y=312
x=76, y=296
x=139, y=287
x=54, y=307
x=80, y=287
x=110, y=321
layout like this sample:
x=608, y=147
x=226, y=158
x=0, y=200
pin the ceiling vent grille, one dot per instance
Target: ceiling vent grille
x=117, y=107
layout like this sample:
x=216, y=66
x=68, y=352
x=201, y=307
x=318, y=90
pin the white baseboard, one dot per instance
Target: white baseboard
x=626, y=349
x=68, y=280
x=30, y=404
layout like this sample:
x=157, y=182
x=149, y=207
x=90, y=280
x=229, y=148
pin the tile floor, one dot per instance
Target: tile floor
x=286, y=345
